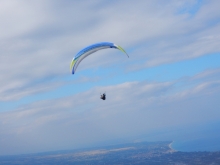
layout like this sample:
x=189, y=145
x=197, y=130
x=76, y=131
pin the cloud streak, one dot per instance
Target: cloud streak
x=130, y=109
x=39, y=39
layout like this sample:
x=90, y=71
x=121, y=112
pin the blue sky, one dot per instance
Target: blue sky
x=170, y=82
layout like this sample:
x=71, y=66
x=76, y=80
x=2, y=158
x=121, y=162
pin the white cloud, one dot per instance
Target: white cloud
x=132, y=108
x=39, y=38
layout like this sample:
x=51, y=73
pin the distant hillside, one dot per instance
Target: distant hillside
x=155, y=153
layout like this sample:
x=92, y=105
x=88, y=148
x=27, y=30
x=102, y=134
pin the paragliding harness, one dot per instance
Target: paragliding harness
x=103, y=96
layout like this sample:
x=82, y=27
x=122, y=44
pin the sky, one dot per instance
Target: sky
x=168, y=89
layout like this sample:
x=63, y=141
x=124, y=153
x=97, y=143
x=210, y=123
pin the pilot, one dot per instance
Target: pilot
x=103, y=96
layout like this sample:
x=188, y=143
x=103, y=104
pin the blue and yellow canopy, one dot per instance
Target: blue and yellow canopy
x=89, y=50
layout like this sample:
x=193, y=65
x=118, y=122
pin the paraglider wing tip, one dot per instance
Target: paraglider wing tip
x=126, y=53
x=120, y=48
x=72, y=71
x=72, y=66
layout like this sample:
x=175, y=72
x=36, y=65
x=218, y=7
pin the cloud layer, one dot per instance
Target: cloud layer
x=38, y=39
x=131, y=110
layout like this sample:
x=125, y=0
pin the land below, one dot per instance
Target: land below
x=152, y=153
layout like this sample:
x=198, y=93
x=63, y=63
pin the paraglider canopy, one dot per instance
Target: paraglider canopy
x=90, y=50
